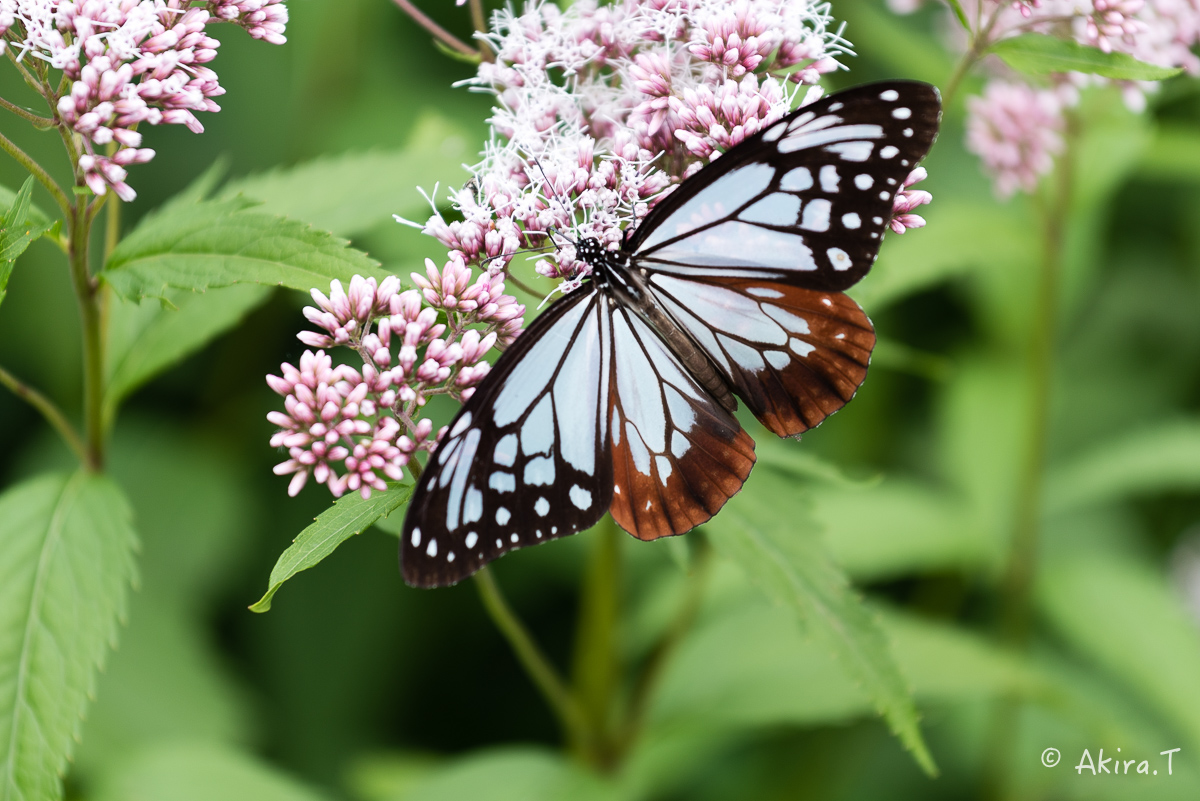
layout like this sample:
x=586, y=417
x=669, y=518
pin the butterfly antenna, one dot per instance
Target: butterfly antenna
x=557, y=199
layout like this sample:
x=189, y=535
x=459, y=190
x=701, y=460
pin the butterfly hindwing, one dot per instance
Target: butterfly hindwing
x=794, y=356
x=677, y=454
x=527, y=459
x=805, y=201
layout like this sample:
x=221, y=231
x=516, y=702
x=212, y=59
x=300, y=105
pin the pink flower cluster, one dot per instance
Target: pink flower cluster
x=352, y=429
x=127, y=62
x=1015, y=128
x=602, y=108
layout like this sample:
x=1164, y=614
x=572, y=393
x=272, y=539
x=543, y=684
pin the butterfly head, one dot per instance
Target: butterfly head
x=591, y=251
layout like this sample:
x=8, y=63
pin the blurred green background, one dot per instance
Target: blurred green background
x=356, y=687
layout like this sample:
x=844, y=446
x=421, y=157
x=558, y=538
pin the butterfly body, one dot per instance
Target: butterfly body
x=620, y=396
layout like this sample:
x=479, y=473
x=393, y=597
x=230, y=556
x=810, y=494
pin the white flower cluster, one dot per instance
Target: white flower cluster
x=602, y=108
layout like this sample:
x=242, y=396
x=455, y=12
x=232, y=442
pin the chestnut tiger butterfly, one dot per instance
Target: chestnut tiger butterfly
x=620, y=396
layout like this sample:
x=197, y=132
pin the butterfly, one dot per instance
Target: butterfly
x=620, y=396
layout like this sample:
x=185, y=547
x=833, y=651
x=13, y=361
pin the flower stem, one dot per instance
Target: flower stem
x=35, y=169
x=440, y=33
x=543, y=674
x=595, y=668
x=664, y=649
x=1017, y=583
x=88, y=295
x=41, y=122
x=52, y=413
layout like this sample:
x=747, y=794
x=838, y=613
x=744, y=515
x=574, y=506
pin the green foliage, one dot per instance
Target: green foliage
x=201, y=772
x=20, y=225
x=217, y=243
x=147, y=337
x=1119, y=614
x=771, y=544
x=1156, y=459
x=66, y=562
x=352, y=193
x=349, y=516
x=510, y=774
x=1041, y=54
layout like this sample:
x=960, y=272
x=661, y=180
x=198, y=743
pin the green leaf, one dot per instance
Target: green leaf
x=349, y=516
x=150, y=336
x=66, y=563
x=18, y=230
x=36, y=215
x=753, y=667
x=352, y=193
x=200, y=772
x=782, y=554
x=217, y=243
x=1126, y=618
x=787, y=456
x=1166, y=457
x=957, y=8
x=511, y=774
x=898, y=528
x=1039, y=54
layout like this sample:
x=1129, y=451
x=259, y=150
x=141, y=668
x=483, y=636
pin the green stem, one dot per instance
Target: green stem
x=53, y=415
x=88, y=295
x=440, y=33
x=41, y=122
x=1017, y=584
x=35, y=169
x=665, y=648
x=543, y=674
x=596, y=668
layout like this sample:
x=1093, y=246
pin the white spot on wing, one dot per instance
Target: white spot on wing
x=432, y=549
x=664, y=468
x=472, y=538
x=537, y=432
x=502, y=482
x=816, y=215
x=888, y=152
x=839, y=258
x=541, y=507
x=889, y=95
x=539, y=471
x=829, y=179
x=908, y=132
x=506, y=450
x=801, y=347
x=580, y=497
x=902, y=113
x=473, y=507
x=747, y=357
x=864, y=181
x=852, y=151
x=503, y=516
x=796, y=180
x=777, y=208
x=514, y=537
x=416, y=537
x=792, y=322
x=764, y=292
x=450, y=556
x=778, y=359
x=852, y=220
x=679, y=446
x=461, y=425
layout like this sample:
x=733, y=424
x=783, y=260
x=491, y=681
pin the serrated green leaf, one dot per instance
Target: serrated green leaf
x=36, y=215
x=147, y=337
x=787, y=559
x=349, y=516
x=19, y=228
x=352, y=193
x=511, y=774
x=217, y=243
x=200, y=772
x=1125, y=617
x=66, y=563
x=1040, y=54
x=1158, y=459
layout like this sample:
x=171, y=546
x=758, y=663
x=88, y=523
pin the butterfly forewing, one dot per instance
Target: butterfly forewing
x=527, y=459
x=677, y=454
x=806, y=200
x=794, y=356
